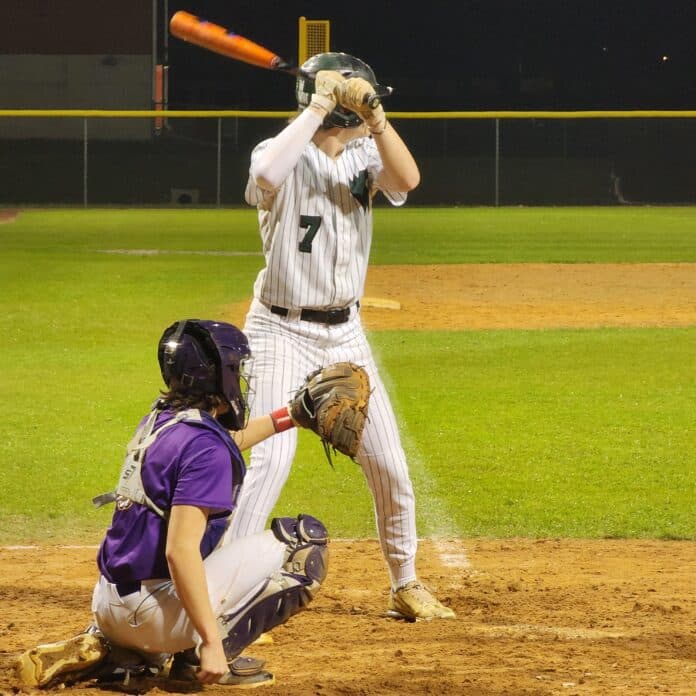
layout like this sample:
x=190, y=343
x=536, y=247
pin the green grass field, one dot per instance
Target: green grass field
x=582, y=433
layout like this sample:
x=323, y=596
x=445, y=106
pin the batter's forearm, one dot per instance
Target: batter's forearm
x=400, y=171
x=281, y=155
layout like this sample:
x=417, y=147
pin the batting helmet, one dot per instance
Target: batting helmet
x=205, y=357
x=348, y=66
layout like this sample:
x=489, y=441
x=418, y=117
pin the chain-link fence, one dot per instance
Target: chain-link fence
x=202, y=158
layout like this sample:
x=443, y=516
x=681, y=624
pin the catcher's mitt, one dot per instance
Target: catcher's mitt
x=333, y=403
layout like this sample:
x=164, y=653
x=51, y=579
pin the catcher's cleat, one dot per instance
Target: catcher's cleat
x=47, y=663
x=244, y=672
x=414, y=601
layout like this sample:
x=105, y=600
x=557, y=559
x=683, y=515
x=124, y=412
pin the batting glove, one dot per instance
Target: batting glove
x=327, y=85
x=353, y=95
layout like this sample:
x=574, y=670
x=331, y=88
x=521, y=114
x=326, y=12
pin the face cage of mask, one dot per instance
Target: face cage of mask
x=245, y=388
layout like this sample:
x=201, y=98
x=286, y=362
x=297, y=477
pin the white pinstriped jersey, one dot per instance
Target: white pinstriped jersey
x=317, y=227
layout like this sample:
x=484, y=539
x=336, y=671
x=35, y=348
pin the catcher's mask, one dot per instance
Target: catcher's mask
x=348, y=66
x=207, y=357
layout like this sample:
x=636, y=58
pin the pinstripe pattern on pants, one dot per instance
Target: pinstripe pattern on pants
x=284, y=351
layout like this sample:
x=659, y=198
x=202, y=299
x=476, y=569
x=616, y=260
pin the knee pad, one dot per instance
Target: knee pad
x=310, y=561
x=306, y=540
x=304, y=529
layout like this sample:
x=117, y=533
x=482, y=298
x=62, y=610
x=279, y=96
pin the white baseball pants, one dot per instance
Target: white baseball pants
x=284, y=351
x=153, y=621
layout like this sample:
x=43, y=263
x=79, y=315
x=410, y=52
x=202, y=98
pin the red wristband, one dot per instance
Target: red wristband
x=281, y=420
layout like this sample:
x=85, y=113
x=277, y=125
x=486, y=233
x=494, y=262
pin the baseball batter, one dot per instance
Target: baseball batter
x=313, y=185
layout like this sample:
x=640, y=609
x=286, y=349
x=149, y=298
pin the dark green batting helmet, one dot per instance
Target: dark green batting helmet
x=348, y=66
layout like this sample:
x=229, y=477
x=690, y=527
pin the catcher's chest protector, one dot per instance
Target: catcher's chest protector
x=130, y=484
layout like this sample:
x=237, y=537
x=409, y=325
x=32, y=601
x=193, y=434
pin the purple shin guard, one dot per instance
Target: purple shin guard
x=286, y=592
x=282, y=596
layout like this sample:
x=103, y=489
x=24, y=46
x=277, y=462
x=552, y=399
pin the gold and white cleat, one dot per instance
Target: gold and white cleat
x=414, y=601
x=45, y=663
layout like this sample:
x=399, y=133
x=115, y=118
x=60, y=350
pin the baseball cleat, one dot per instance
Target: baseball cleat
x=45, y=663
x=414, y=601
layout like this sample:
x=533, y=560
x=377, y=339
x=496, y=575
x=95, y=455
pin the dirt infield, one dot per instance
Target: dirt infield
x=7, y=215
x=534, y=617
x=533, y=296
x=527, y=296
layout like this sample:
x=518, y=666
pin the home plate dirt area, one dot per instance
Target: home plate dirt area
x=533, y=617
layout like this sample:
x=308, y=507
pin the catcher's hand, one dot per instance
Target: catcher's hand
x=333, y=403
x=327, y=85
x=352, y=96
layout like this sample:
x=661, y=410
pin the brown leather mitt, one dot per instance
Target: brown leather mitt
x=333, y=403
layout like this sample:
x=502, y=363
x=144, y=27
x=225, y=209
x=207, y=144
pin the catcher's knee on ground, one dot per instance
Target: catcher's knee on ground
x=286, y=592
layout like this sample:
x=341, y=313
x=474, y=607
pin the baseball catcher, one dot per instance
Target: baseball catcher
x=171, y=583
x=333, y=403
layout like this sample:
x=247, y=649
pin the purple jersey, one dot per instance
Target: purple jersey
x=187, y=464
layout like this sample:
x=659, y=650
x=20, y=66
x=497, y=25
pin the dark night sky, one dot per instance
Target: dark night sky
x=465, y=54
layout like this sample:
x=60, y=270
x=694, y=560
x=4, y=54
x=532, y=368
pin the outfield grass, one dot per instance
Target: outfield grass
x=540, y=235
x=585, y=433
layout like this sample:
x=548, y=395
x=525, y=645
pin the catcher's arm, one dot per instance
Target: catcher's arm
x=187, y=525
x=332, y=402
x=261, y=427
x=258, y=429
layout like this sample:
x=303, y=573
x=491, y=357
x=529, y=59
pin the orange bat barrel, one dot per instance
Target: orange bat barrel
x=215, y=38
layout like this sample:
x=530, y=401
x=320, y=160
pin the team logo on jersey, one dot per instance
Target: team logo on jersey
x=359, y=187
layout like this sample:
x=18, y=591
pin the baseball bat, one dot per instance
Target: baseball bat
x=215, y=38
x=219, y=40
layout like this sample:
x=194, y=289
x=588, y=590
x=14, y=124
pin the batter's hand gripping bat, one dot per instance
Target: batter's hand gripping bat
x=217, y=39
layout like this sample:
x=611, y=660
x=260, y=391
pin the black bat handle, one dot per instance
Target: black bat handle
x=372, y=100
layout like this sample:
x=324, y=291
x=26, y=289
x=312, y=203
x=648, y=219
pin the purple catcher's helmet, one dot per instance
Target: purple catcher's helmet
x=205, y=357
